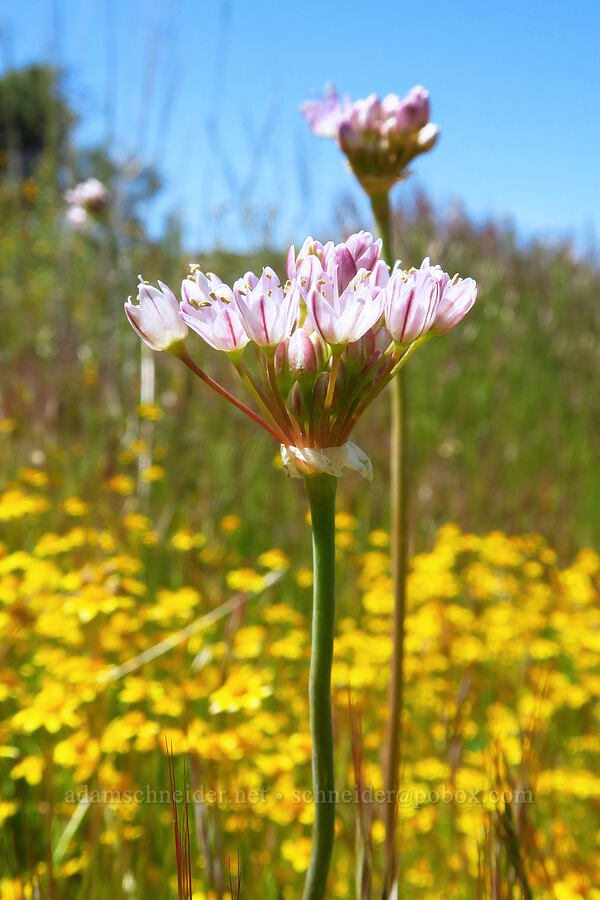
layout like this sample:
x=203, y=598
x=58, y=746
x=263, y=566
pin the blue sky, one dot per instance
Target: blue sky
x=209, y=93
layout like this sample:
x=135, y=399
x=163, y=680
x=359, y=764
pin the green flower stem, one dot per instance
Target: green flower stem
x=399, y=528
x=321, y=495
x=382, y=213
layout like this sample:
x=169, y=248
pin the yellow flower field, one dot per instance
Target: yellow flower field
x=99, y=672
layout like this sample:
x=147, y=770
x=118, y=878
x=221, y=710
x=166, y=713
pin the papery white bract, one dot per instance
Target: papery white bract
x=299, y=462
x=157, y=319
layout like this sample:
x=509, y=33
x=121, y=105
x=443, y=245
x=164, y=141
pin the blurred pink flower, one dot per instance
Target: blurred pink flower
x=379, y=137
x=327, y=115
x=91, y=194
x=77, y=217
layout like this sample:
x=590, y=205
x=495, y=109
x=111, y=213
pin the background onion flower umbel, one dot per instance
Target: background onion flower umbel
x=85, y=201
x=379, y=137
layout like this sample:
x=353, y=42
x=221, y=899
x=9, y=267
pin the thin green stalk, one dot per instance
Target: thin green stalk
x=399, y=533
x=257, y=394
x=287, y=418
x=382, y=213
x=335, y=363
x=321, y=495
x=354, y=415
x=184, y=356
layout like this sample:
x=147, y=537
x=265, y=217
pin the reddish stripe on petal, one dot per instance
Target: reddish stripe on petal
x=231, y=330
x=316, y=318
x=264, y=322
x=411, y=297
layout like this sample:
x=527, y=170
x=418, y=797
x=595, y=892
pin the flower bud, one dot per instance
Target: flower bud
x=383, y=339
x=342, y=378
x=296, y=402
x=427, y=137
x=349, y=138
x=384, y=368
x=302, y=358
x=321, y=349
x=364, y=250
x=281, y=358
x=358, y=354
x=320, y=391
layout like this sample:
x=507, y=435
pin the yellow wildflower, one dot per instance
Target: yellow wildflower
x=150, y=411
x=31, y=768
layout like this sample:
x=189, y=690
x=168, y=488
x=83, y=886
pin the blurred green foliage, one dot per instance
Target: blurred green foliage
x=33, y=116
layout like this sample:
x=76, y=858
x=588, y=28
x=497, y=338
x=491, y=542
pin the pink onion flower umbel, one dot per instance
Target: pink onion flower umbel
x=325, y=344
x=378, y=137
